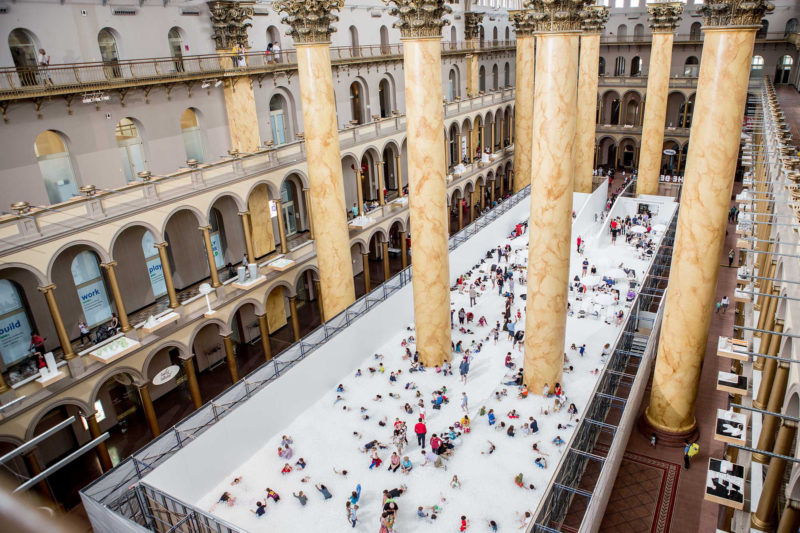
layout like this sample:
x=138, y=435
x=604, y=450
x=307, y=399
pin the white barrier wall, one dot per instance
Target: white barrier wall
x=594, y=203
x=191, y=472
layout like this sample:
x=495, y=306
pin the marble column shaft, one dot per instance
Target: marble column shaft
x=102, y=448
x=282, y=228
x=248, y=236
x=325, y=176
x=790, y=518
x=149, y=410
x=764, y=516
x=587, y=111
x=365, y=270
x=524, y=108
x=769, y=426
x=212, y=263
x=294, y=317
x=655, y=113
x=428, y=198
x=167, y=270
x=124, y=323
x=381, y=185
x=768, y=373
x=710, y=167
x=194, y=386
x=55, y=314
x=768, y=325
x=230, y=357
x=263, y=329
x=554, y=122
x=386, y=266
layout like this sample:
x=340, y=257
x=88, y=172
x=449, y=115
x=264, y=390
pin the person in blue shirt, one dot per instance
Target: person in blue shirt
x=355, y=495
x=492, y=418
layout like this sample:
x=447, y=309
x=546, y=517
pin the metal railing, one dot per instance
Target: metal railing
x=101, y=75
x=116, y=491
x=683, y=38
x=629, y=351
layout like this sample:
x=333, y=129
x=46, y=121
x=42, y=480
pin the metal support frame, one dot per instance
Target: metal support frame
x=781, y=334
x=29, y=445
x=89, y=446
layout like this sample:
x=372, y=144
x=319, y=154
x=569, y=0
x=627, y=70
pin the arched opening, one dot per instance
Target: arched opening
x=506, y=75
x=763, y=30
x=18, y=325
x=131, y=148
x=757, y=66
x=246, y=336
x=601, y=66
x=638, y=32
x=384, y=40
x=455, y=206
x=24, y=48
x=357, y=110
x=307, y=302
x=176, y=46
x=784, y=69
x=622, y=32
x=385, y=97
x=482, y=79
x=290, y=205
x=695, y=33
x=686, y=110
x=606, y=153
x=278, y=120
x=192, y=135
x=684, y=154
x=691, y=68
x=109, y=53
x=619, y=66
x=185, y=248
x=118, y=409
x=669, y=157
x=208, y=348
x=636, y=66
x=139, y=270
x=354, y=41
x=675, y=110
x=55, y=164
x=630, y=110
x=389, y=171
x=453, y=90
x=494, y=34
x=792, y=26
x=91, y=288
x=627, y=155
x=453, y=142
x=611, y=108
x=508, y=34
x=155, y=270
x=494, y=77
x=453, y=38
x=172, y=400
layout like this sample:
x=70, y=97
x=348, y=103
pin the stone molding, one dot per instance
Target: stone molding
x=665, y=16
x=419, y=18
x=229, y=23
x=311, y=21
x=735, y=12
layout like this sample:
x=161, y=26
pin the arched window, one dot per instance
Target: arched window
x=453, y=38
x=15, y=323
x=192, y=136
x=494, y=77
x=175, y=39
x=289, y=206
x=601, y=66
x=508, y=34
x=55, y=165
x=792, y=26
x=757, y=66
x=763, y=30
x=274, y=37
x=638, y=32
x=506, y=75
x=91, y=288
x=494, y=34
x=278, y=120
x=131, y=148
x=453, y=85
x=153, y=262
x=24, y=49
x=691, y=69
x=695, y=31
x=784, y=69
x=619, y=66
x=482, y=79
x=384, y=40
x=622, y=32
x=385, y=97
x=109, y=52
x=354, y=40
x=356, y=103
x=636, y=66
x=218, y=241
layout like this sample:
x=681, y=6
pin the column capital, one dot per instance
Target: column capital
x=47, y=288
x=161, y=244
x=523, y=22
x=228, y=21
x=419, y=19
x=202, y=228
x=556, y=16
x=109, y=265
x=243, y=213
x=593, y=19
x=665, y=16
x=472, y=25
x=311, y=20
x=718, y=13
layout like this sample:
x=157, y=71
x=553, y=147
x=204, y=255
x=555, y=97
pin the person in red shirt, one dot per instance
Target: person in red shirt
x=579, y=243
x=436, y=443
x=420, y=430
x=463, y=523
x=37, y=343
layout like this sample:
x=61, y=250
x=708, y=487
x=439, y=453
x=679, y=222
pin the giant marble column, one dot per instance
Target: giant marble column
x=710, y=166
x=525, y=60
x=557, y=25
x=420, y=23
x=664, y=18
x=311, y=29
x=594, y=17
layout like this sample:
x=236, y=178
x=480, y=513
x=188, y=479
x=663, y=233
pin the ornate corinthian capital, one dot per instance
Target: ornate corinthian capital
x=228, y=20
x=735, y=12
x=593, y=18
x=472, y=25
x=419, y=18
x=311, y=20
x=556, y=15
x=665, y=16
x=523, y=22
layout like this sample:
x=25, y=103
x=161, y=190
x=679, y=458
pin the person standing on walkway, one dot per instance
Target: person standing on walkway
x=464, y=402
x=579, y=241
x=473, y=295
x=420, y=430
x=725, y=302
x=689, y=451
x=463, y=369
x=731, y=255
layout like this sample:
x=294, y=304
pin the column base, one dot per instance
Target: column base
x=756, y=523
x=667, y=438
